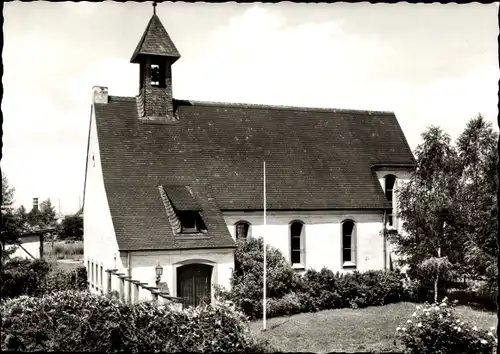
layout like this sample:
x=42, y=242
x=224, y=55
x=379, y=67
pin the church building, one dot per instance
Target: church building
x=170, y=184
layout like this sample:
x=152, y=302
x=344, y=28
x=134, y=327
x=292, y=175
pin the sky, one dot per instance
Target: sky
x=431, y=64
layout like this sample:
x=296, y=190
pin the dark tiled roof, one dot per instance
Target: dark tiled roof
x=315, y=159
x=181, y=197
x=141, y=222
x=155, y=41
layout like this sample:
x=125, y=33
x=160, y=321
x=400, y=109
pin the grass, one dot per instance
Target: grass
x=370, y=329
x=64, y=250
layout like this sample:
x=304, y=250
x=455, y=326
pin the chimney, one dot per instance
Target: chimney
x=35, y=203
x=100, y=94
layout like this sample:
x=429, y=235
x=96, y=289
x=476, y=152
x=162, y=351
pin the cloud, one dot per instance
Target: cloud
x=257, y=57
x=321, y=64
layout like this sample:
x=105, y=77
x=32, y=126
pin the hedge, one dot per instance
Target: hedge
x=80, y=321
x=289, y=293
x=37, y=277
x=23, y=277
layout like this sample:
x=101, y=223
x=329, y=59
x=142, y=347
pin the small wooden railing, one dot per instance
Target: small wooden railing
x=134, y=287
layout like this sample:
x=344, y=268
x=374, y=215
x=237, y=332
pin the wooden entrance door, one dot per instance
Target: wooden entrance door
x=194, y=284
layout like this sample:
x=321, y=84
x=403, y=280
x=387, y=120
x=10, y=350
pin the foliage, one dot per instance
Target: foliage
x=247, y=278
x=477, y=218
x=48, y=213
x=71, y=228
x=62, y=250
x=44, y=217
x=7, y=194
x=12, y=225
x=325, y=290
x=437, y=329
x=449, y=206
x=85, y=322
x=23, y=277
x=425, y=242
x=37, y=277
x=287, y=305
x=482, y=294
x=60, y=280
x=289, y=292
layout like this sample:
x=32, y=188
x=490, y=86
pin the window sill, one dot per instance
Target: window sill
x=298, y=266
x=349, y=265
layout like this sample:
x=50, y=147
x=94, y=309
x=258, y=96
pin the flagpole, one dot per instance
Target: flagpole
x=265, y=258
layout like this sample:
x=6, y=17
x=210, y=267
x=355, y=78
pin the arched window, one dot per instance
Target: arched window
x=242, y=230
x=348, y=243
x=297, y=243
x=389, y=187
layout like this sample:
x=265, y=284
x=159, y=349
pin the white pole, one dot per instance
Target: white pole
x=265, y=258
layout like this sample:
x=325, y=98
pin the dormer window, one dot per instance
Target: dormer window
x=191, y=222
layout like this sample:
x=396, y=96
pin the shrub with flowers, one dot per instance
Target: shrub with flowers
x=437, y=329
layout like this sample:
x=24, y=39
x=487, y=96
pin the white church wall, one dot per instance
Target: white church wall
x=323, y=241
x=100, y=246
x=143, y=265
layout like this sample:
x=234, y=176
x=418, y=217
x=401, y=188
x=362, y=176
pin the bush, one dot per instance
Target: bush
x=482, y=296
x=247, y=278
x=285, y=306
x=325, y=290
x=85, y=322
x=37, y=277
x=319, y=290
x=23, y=277
x=289, y=292
x=437, y=329
x=60, y=280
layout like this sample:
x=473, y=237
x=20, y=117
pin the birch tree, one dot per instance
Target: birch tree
x=425, y=204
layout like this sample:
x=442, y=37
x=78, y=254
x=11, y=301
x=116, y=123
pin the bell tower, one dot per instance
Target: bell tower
x=155, y=54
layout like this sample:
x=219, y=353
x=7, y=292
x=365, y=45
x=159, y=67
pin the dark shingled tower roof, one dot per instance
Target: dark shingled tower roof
x=155, y=41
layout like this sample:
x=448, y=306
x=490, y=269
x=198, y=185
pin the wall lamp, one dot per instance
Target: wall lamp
x=158, y=272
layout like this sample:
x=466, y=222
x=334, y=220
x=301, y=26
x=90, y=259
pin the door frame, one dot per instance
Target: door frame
x=213, y=279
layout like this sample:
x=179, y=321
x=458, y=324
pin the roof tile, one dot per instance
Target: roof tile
x=315, y=159
x=155, y=41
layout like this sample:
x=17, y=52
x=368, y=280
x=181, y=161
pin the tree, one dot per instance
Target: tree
x=48, y=213
x=43, y=217
x=462, y=181
x=71, y=227
x=478, y=155
x=425, y=243
x=12, y=225
x=7, y=195
x=22, y=215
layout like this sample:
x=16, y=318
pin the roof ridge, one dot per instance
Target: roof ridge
x=260, y=106
x=282, y=107
x=121, y=98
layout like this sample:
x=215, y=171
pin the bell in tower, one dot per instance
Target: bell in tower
x=155, y=54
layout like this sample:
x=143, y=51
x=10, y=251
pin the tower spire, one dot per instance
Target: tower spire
x=155, y=53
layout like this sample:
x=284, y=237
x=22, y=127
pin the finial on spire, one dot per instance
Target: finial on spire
x=154, y=7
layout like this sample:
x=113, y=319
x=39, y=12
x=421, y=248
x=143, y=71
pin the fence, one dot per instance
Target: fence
x=131, y=292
